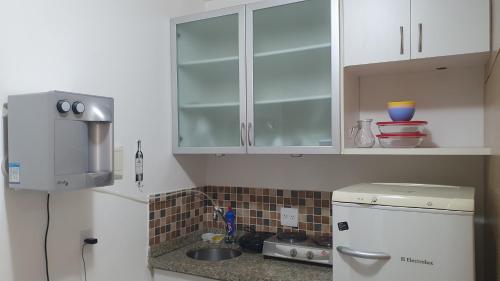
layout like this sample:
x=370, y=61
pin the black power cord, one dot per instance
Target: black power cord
x=88, y=241
x=83, y=259
x=46, y=235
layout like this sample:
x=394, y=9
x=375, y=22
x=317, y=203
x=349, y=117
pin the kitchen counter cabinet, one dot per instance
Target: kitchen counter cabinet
x=247, y=267
x=163, y=275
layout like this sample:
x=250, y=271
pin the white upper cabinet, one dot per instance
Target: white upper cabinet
x=376, y=31
x=397, y=30
x=449, y=27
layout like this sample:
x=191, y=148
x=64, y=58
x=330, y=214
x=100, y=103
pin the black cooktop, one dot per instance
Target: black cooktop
x=295, y=236
x=253, y=241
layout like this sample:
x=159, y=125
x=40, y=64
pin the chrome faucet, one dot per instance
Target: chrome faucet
x=218, y=211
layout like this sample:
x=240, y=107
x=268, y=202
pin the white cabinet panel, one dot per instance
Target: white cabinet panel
x=449, y=27
x=376, y=31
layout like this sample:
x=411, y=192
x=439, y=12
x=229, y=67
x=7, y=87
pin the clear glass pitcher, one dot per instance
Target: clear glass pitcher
x=363, y=135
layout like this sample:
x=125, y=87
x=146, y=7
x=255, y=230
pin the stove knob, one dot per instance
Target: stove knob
x=310, y=255
x=63, y=106
x=293, y=253
x=78, y=107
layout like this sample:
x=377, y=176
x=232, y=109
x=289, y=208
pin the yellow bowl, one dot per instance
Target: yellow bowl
x=401, y=104
x=217, y=238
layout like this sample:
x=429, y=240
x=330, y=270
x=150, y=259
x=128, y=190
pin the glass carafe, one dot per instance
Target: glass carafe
x=364, y=137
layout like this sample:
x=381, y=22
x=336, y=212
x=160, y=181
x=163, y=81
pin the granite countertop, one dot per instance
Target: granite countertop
x=247, y=267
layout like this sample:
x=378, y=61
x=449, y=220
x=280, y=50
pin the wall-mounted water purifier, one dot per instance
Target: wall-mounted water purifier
x=60, y=141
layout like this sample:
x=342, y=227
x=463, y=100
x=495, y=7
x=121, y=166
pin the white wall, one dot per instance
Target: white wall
x=492, y=240
x=117, y=48
x=330, y=172
x=492, y=205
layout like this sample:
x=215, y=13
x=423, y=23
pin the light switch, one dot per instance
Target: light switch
x=290, y=217
x=118, y=163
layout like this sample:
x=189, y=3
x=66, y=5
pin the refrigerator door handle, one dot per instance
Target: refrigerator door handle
x=364, y=255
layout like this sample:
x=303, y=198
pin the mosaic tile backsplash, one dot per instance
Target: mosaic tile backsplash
x=174, y=216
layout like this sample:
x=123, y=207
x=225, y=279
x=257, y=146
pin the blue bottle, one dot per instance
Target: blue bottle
x=230, y=227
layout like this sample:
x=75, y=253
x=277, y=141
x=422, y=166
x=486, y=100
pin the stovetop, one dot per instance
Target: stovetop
x=299, y=247
x=254, y=241
x=308, y=242
x=292, y=237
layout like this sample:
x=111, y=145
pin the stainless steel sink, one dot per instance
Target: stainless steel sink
x=213, y=254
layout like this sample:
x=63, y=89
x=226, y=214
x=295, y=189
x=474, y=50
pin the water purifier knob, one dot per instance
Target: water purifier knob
x=63, y=106
x=78, y=107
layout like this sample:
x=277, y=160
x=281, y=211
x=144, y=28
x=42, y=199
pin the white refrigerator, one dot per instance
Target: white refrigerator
x=396, y=232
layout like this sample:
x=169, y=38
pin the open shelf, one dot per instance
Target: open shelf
x=418, y=151
x=293, y=50
x=209, y=61
x=451, y=101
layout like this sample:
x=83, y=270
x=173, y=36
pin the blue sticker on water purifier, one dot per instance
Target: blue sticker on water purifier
x=14, y=173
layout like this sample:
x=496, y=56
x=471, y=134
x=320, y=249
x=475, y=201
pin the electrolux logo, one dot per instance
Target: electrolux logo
x=417, y=261
x=65, y=182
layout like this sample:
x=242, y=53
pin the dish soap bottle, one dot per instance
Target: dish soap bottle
x=230, y=229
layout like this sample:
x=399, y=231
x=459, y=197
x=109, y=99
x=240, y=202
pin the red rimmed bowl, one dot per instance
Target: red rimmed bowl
x=401, y=127
x=401, y=140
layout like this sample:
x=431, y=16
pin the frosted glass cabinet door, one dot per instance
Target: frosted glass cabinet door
x=208, y=53
x=292, y=99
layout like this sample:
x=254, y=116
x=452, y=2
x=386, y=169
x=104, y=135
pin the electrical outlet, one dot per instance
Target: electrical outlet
x=86, y=233
x=290, y=217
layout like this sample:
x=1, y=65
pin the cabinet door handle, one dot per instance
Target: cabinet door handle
x=402, y=46
x=420, y=27
x=250, y=134
x=242, y=134
x=363, y=255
